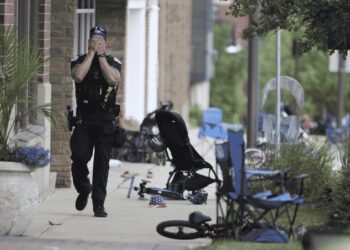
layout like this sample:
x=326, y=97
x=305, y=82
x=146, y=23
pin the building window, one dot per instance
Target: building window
x=85, y=20
x=27, y=28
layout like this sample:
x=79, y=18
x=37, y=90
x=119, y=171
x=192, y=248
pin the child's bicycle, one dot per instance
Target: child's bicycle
x=142, y=190
x=196, y=227
x=195, y=197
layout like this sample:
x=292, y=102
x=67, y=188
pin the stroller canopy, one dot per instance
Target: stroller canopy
x=174, y=132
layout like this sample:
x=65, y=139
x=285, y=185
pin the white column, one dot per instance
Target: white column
x=135, y=60
x=42, y=175
x=152, y=55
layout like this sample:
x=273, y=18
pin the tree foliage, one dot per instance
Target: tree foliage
x=226, y=88
x=310, y=69
x=324, y=23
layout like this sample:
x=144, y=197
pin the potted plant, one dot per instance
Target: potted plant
x=18, y=191
x=323, y=24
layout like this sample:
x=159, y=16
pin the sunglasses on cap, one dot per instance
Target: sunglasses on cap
x=98, y=31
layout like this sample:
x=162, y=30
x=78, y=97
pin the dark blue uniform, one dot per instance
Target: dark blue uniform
x=96, y=112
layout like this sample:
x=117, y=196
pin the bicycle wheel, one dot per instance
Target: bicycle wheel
x=179, y=230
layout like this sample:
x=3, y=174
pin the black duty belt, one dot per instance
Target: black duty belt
x=87, y=110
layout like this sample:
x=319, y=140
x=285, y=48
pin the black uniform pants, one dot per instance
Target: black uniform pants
x=84, y=140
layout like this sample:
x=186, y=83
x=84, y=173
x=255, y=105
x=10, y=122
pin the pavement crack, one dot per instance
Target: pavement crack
x=53, y=224
x=46, y=230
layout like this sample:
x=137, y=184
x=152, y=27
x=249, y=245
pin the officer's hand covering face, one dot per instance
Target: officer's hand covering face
x=97, y=42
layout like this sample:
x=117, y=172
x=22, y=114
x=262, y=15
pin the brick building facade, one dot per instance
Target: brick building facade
x=56, y=23
x=10, y=11
x=222, y=14
x=175, y=53
x=7, y=13
x=62, y=44
x=109, y=14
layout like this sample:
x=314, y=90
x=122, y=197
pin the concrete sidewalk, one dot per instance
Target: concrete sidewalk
x=130, y=224
x=20, y=243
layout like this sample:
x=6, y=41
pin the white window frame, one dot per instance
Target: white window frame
x=85, y=20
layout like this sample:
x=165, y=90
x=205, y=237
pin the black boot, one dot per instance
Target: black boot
x=99, y=209
x=81, y=201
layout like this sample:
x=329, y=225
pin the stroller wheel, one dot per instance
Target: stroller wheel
x=198, y=197
x=161, y=159
x=154, y=159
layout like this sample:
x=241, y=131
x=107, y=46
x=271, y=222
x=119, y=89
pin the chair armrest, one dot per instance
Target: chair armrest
x=286, y=171
x=301, y=176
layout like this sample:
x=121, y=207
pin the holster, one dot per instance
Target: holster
x=117, y=110
x=119, y=137
x=71, y=119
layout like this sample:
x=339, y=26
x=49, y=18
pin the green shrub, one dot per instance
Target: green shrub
x=316, y=161
x=195, y=116
x=341, y=192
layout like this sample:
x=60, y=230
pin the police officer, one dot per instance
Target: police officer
x=96, y=77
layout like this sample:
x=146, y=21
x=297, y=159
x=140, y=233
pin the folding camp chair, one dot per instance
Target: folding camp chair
x=241, y=214
x=254, y=216
x=213, y=127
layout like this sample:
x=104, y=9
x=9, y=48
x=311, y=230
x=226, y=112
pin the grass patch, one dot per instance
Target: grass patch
x=307, y=216
x=226, y=245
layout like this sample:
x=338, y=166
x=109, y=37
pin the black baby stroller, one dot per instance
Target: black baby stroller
x=185, y=160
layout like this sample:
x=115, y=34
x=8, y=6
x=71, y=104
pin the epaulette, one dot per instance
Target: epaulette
x=117, y=60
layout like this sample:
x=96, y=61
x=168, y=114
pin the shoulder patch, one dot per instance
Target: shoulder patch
x=117, y=60
x=75, y=58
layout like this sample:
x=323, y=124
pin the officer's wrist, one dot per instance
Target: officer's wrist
x=91, y=53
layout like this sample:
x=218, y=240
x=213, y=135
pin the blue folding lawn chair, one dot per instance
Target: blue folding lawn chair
x=213, y=127
x=241, y=214
x=255, y=216
x=212, y=124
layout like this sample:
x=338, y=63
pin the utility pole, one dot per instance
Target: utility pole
x=253, y=84
x=278, y=89
x=341, y=77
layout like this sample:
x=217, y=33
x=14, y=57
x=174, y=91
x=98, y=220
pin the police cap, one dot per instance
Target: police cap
x=98, y=31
